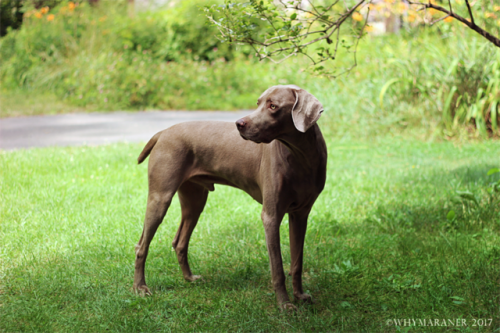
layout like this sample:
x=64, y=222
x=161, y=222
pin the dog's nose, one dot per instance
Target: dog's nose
x=240, y=123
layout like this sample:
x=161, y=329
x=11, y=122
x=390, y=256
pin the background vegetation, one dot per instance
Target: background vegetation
x=440, y=81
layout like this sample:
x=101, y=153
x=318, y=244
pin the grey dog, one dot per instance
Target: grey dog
x=276, y=154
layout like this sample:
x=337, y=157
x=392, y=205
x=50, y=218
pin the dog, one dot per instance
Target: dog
x=276, y=154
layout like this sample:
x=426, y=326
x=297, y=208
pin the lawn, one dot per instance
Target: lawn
x=381, y=245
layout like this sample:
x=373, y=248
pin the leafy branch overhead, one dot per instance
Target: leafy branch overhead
x=281, y=29
x=322, y=30
x=468, y=21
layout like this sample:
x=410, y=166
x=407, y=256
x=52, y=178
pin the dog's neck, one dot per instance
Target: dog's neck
x=304, y=147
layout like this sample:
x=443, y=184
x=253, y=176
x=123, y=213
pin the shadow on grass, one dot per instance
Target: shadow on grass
x=475, y=175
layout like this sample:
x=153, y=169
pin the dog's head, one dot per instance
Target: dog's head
x=281, y=110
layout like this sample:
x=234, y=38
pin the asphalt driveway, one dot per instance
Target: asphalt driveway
x=97, y=128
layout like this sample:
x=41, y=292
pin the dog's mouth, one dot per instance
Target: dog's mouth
x=252, y=139
x=244, y=137
x=259, y=140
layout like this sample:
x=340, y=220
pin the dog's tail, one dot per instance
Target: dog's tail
x=147, y=149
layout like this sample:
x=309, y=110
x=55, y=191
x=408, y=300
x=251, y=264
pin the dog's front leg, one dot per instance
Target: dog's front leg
x=297, y=227
x=272, y=221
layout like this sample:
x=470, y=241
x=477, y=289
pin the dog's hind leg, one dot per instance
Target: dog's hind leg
x=193, y=198
x=158, y=204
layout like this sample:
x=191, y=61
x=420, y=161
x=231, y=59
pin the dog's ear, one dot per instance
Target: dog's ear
x=306, y=110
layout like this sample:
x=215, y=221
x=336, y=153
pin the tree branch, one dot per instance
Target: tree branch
x=470, y=12
x=470, y=24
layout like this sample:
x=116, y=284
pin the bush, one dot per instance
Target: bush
x=102, y=58
x=12, y=11
x=461, y=88
x=11, y=15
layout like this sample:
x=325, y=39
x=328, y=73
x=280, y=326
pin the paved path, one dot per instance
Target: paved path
x=97, y=128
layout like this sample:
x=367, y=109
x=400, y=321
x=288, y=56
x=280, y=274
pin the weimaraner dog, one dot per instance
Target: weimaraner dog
x=276, y=154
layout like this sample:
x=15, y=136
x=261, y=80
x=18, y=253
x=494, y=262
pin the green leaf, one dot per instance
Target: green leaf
x=384, y=89
x=447, y=117
x=451, y=215
x=467, y=196
x=493, y=171
x=294, y=16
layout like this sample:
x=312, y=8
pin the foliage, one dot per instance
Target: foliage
x=11, y=16
x=379, y=244
x=289, y=28
x=100, y=58
x=464, y=86
x=316, y=29
x=72, y=28
x=12, y=12
x=103, y=58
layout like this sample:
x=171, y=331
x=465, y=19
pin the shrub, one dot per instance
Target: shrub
x=11, y=15
x=456, y=82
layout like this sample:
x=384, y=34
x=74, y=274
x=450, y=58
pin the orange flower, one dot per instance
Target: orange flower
x=44, y=10
x=50, y=17
x=411, y=17
x=71, y=5
x=448, y=19
x=38, y=15
x=369, y=28
x=401, y=7
x=357, y=17
x=490, y=15
x=389, y=1
x=496, y=8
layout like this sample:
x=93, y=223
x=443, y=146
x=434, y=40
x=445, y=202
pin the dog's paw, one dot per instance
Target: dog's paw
x=288, y=307
x=304, y=298
x=193, y=278
x=142, y=290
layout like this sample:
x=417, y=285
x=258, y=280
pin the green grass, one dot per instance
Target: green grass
x=379, y=245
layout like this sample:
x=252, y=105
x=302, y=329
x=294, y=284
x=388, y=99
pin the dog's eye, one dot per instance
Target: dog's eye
x=273, y=107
